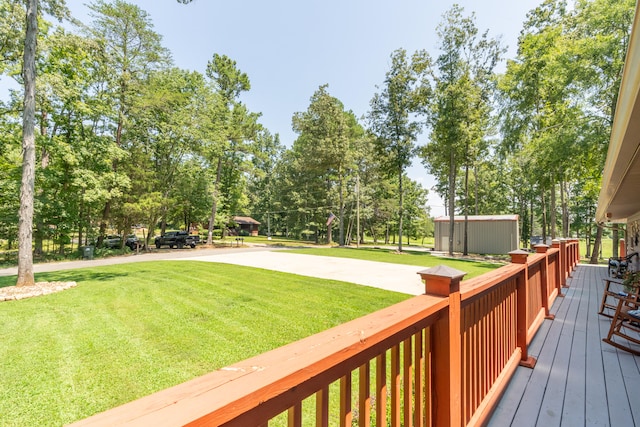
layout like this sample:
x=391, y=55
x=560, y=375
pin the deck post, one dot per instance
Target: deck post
x=555, y=243
x=572, y=254
x=446, y=405
x=576, y=249
x=522, y=283
x=564, y=256
x=544, y=279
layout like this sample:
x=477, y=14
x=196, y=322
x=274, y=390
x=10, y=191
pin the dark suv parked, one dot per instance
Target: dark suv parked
x=179, y=239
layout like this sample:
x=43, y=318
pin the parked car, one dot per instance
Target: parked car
x=133, y=242
x=115, y=242
x=112, y=242
x=179, y=239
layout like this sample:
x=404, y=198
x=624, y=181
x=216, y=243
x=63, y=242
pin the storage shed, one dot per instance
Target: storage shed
x=487, y=234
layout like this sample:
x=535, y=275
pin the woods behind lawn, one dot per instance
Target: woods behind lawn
x=129, y=330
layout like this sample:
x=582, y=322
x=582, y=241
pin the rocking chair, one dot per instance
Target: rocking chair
x=625, y=324
x=618, y=266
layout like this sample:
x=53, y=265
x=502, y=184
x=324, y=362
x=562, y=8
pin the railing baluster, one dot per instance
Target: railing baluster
x=322, y=407
x=482, y=368
x=381, y=389
x=474, y=362
x=493, y=351
x=467, y=371
x=428, y=391
x=295, y=415
x=419, y=379
x=395, y=386
x=346, y=414
x=407, y=373
x=364, y=411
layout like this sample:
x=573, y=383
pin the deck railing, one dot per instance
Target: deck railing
x=442, y=358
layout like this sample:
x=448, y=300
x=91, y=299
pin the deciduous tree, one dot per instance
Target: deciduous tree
x=461, y=111
x=393, y=116
x=326, y=148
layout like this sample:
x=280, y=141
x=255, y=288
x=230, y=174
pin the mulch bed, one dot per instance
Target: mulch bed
x=11, y=293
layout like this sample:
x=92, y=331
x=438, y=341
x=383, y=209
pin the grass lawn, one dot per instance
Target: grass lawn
x=275, y=241
x=422, y=259
x=288, y=241
x=129, y=330
x=607, y=250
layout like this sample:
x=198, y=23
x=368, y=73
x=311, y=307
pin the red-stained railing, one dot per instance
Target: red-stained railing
x=442, y=358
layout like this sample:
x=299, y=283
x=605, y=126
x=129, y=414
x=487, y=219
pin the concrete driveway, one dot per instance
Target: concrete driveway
x=392, y=277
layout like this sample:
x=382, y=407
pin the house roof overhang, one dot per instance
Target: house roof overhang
x=245, y=220
x=620, y=191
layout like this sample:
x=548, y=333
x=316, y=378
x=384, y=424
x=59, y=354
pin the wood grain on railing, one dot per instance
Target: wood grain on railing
x=258, y=389
x=488, y=341
x=554, y=285
x=535, y=295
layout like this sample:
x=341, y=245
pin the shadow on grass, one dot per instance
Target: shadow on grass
x=69, y=276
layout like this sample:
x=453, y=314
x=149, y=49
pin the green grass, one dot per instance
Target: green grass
x=129, y=330
x=607, y=249
x=276, y=241
x=422, y=259
x=291, y=242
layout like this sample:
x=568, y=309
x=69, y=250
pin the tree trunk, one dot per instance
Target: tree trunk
x=615, y=237
x=531, y=219
x=589, y=234
x=80, y=227
x=452, y=198
x=214, y=203
x=544, y=217
x=565, y=208
x=400, y=210
x=38, y=238
x=341, y=213
x=596, y=247
x=348, y=232
x=475, y=175
x=27, y=187
x=465, y=247
x=44, y=163
x=386, y=235
x=552, y=212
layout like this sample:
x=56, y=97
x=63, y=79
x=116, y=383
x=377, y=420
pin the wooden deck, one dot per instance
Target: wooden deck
x=578, y=379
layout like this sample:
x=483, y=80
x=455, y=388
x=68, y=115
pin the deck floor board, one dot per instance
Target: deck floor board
x=578, y=380
x=575, y=392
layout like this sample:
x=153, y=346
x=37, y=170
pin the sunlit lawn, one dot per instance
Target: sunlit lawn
x=287, y=241
x=128, y=330
x=422, y=259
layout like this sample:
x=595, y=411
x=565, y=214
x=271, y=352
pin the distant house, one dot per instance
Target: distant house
x=246, y=225
x=487, y=234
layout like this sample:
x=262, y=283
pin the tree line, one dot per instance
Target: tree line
x=124, y=137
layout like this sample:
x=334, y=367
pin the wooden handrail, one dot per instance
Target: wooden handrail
x=238, y=394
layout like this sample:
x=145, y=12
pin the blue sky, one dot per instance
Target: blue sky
x=289, y=48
